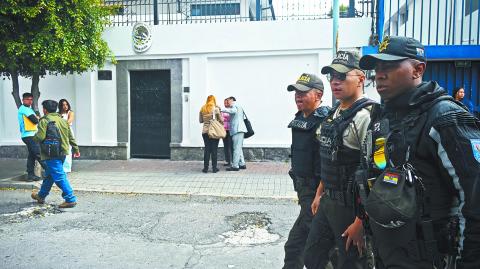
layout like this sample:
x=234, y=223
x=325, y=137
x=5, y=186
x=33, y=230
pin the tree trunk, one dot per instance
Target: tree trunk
x=16, y=89
x=35, y=91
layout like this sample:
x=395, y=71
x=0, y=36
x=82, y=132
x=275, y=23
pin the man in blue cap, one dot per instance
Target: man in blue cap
x=423, y=155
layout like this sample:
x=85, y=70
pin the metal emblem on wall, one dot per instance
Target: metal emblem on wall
x=141, y=37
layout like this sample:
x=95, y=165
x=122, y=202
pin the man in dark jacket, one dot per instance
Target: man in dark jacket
x=426, y=145
x=305, y=161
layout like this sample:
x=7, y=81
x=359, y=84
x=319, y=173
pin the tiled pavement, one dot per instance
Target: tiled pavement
x=260, y=179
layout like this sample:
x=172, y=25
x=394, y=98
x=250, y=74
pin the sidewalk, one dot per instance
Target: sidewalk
x=259, y=180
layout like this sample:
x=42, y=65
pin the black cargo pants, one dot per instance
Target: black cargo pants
x=295, y=245
x=332, y=219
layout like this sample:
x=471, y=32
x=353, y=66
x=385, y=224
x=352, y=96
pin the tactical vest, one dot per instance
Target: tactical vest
x=338, y=162
x=402, y=146
x=303, y=149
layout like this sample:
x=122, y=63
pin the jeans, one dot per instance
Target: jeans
x=211, y=146
x=33, y=154
x=227, y=148
x=56, y=174
x=238, y=159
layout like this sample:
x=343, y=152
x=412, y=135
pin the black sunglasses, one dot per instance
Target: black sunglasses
x=340, y=76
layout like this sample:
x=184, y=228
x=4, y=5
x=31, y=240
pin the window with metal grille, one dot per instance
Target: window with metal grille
x=215, y=9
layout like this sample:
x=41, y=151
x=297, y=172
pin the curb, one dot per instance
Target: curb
x=16, y=183
x=179, y=193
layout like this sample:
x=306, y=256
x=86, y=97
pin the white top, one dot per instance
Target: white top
x=65, y=116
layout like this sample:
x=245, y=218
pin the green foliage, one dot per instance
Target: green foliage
x=54, y=36
x=343, y=10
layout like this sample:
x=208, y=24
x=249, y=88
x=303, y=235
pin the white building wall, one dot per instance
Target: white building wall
x=253, y=61
x=51, y=87
x=104, y=109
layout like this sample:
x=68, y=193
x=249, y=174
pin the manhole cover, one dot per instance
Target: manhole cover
x=249, y=228
x=38, y=211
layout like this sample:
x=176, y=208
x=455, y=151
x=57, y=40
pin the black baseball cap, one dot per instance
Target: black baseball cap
x=345, y=62
x=306, y=82
x=395, y=48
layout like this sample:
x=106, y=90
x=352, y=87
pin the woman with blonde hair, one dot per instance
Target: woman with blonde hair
x=209, y=111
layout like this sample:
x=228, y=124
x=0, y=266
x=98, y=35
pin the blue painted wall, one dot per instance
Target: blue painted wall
x=450, y=77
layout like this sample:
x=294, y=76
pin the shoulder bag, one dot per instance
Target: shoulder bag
x=216, y=129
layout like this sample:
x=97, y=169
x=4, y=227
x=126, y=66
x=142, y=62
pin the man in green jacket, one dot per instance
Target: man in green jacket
x=55, y=173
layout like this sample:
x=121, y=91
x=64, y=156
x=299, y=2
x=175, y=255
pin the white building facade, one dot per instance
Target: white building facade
x=253, y=61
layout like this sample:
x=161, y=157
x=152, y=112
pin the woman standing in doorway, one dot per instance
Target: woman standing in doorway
x=209, y=111
x=459, y=95
x=65, y=110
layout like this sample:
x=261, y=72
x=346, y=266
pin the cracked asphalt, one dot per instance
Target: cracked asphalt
x=110, y=230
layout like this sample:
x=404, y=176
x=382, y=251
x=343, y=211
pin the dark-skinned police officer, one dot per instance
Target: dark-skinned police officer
x=340, y=136
x=305, y=161
x=423, y=207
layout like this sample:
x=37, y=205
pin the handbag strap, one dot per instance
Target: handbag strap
x=245, y=115
x=213, y=113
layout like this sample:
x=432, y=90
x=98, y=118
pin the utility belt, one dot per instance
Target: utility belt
x=302, y=182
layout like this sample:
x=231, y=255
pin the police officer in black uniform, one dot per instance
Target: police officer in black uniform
x=305, y=161
x=340, y=138
x=423, y=207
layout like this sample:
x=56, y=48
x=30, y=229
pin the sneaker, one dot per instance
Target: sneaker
x=243, y=167
x=67, y=205
x=214, y=170
x=232, y=169
x=37, y=197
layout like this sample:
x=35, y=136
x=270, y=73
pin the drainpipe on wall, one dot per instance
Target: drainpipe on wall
x=335, y=15
x=380, y=19
x=351, y=9
x=258, y=10
x=155, y=12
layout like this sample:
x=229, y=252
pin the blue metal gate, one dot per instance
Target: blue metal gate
x=452, y=74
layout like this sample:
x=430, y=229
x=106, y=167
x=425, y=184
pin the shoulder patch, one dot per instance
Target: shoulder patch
x=476, y=148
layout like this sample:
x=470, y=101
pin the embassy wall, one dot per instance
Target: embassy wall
x=253, y=61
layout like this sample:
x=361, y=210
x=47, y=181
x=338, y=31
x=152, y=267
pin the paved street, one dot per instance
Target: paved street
x=259, y=180
x=109, y=230
x=149, y=214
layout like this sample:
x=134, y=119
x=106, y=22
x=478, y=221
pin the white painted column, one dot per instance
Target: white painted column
x=3, y=121
x=84, y=99
x=186, y=102
x=198, y=95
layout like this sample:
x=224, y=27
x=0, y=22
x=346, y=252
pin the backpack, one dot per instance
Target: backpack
x=51, y=146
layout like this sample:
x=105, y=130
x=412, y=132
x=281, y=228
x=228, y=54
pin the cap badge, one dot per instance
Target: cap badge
x=342, y=56
x=420, y=52
x=383, y=46
x=304, y=78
